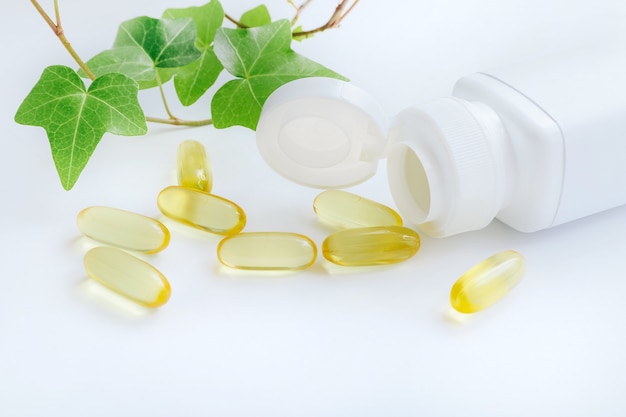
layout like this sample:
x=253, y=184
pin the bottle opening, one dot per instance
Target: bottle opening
x=445, y=175
x=416, y=181
x=409, y=183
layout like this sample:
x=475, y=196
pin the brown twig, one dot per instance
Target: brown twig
x=299, y=10
x=235, y=22
x=341, y=11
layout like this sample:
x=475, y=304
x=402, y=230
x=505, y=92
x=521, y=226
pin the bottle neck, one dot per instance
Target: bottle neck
x=447, y=169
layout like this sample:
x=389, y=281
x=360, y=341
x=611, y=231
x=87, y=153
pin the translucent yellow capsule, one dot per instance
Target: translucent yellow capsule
x=343, y=210
x=123, y=229
x=487, y=282
x=127, y=275
x=194, y=170
x=365, y=246
x=267, y=251
x=201, y=210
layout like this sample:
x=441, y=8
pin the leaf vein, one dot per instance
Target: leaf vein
x=262, y=50
x=73, y=147
x=239, y=57
x=171, y=40
x=117, y=111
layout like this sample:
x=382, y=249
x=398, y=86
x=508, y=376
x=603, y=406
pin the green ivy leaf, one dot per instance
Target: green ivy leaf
x=259, y=16
x=207, y=19
x=131, y=61
x=193, y=80
x=146, y=47
x=263, y=60
x=75, y=118
x=161, y=76
x=170, y=43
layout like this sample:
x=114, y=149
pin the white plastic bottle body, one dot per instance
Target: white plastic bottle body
x=585, y=94
x=556, y=146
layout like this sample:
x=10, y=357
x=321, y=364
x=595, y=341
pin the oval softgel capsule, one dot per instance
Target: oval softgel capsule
x=487, y=282
x=123, y=229
x=193, y=166
x=342, y=209
x=368, y=246
x=128, y=276
x=201, y=210
x=267, y=251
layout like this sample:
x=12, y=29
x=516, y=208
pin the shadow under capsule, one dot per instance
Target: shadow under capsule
x=111, y=301
x=224, y=270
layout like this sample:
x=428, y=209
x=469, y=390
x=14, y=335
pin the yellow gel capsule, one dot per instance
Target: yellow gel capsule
x=127, y=275
x=267, y=251
x=487, y=282
x=201, y=210
x=343, y=210
x=194, y=170
x=123, y=229
x=365, y=246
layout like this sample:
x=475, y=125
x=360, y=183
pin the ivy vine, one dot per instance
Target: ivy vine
x=190, y=47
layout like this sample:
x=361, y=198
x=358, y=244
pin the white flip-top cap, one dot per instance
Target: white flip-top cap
x=322, y=132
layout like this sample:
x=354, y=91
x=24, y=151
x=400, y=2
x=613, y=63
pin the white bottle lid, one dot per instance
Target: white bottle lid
x=322, y=132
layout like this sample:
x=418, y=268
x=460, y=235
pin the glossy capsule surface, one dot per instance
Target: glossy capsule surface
x=486, y=283
x=127, y=275
x=201, y=210
x=343, y=210
x=123, y=229
x=267, y=251
x=193, y=166
x=367, y=246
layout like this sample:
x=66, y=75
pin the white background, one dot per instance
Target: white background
x=329, y=341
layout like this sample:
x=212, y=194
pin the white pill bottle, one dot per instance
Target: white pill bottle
x=535, y=145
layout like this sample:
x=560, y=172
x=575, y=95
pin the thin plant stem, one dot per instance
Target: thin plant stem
x=58, y=31
x=57, y=13
x=173, y=120
x=235, y=22
x=299, y=10
x=45, y=16
x=179, y=122
x=333, y=22
x=164, y=98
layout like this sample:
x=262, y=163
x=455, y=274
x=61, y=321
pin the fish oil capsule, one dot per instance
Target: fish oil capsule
x=487, y=282
x=193, y=166
x=267, y=251
x=127, y=275
x=201, y=210
x=365, y=246
x=343, y=210
x=123, y=229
